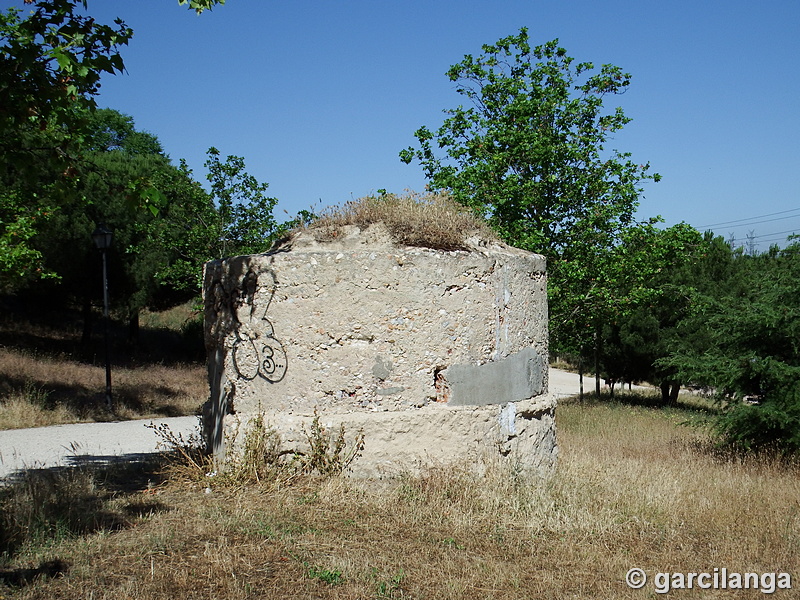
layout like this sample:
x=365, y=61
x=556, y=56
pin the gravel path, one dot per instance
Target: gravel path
x=64, y=445
x=563, y=383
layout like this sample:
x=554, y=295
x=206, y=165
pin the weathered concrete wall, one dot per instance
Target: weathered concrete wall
x=434, y=355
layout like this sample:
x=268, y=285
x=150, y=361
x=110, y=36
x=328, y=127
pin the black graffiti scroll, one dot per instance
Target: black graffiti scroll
x=256, y=351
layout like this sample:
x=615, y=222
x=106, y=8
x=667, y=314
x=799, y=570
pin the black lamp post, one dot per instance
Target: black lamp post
x=102, y=237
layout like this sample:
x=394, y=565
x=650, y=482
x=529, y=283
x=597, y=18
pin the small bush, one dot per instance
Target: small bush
x=430, y=220
x=328, y=455
x=261, y=457
x=184, y=456
x=772, y=425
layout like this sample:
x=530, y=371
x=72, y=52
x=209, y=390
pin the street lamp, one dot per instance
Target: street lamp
x=102, y=237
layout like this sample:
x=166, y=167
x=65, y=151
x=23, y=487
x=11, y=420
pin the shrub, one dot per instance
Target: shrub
x=260, y=458
x=426, y=220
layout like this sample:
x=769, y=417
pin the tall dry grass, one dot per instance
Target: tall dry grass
x=41, y=390
x=634, y=488
x=48, y=377
x=412, y=219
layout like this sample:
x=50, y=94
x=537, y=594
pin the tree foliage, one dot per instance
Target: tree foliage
x=52, y=58
x=746, y=348
x=592, y=294
x=50, y=67
x=197, y=226
x=186, y=227
x=117, y=159
x=245, y=224
x=200, y=5
x=110, y=130
x=529, y=153
x=157, y=256
x=635, y=340
x=51, y=63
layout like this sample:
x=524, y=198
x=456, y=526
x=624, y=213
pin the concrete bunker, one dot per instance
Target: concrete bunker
x=435, y=356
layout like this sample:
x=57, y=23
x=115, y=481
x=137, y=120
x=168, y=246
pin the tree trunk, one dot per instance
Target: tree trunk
x=673, y=393
x=665, y=393
x=580, y=376
x=133, y=328
x=597, y=365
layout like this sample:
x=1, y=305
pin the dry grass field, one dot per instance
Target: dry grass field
x=635, y=487
x=47, y=378
x=51, y=391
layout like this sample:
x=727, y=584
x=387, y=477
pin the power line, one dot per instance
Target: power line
x=776, y=238
x=746, y=221
x=766, y=238
x=763, y=221
x=787, y=232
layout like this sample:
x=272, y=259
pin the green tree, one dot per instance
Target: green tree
x=158, y=255
x=187, y=228
x=635, y=341
x=108, y=130
x=51, y=62
x=245, y=224
x=600, y=287
x=748, y=351
x=118, y=160
x=50, y=66
x=529, y=155
x=197, y=226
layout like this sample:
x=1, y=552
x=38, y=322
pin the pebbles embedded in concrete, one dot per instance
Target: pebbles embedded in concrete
x=421, y=349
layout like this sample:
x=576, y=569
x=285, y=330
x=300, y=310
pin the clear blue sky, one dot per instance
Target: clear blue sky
x=320, y=96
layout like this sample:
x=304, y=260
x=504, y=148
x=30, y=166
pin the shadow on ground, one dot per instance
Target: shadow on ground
x=89, y=401
x=648, y=399
x=34, y=325
x=39, y=507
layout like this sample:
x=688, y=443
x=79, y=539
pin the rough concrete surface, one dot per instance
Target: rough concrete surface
x=374, y=335
x=397, y=442
x=365, y=323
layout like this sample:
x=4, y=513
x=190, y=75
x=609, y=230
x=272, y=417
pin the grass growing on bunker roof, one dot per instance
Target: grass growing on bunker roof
x=412, y=219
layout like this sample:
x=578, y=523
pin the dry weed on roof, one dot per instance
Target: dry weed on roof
x=427, y=220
